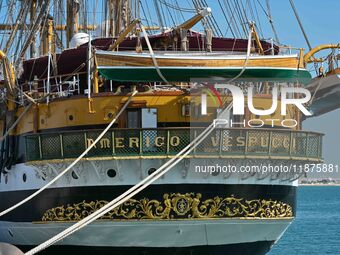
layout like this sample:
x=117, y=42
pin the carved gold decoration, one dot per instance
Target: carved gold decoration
x=175, y=206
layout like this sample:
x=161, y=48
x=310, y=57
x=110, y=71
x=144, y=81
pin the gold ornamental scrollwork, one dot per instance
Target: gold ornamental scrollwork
x=175, y=206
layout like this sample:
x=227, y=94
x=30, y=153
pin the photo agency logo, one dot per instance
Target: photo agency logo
x=242, y=103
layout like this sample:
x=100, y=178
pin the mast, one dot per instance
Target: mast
x=47, y=37
x=119, y=16
x=72, y=21
x=33, y=14
x=112, y=4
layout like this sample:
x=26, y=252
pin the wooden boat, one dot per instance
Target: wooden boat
x=326, y=91
x=325, y=87
x=181, y=66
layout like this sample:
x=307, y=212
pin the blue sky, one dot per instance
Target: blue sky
x=322, y=22
x=320, y=19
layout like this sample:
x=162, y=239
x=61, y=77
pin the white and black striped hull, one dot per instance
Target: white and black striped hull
x=191, y=231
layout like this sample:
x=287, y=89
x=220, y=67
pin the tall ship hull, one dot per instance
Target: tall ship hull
x=187, y=211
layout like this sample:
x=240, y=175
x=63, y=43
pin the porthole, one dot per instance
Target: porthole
x=24, y=177
x=111, y=173
x=70, y=117
x=151, y=171
x=74, y=175
x=110, y=115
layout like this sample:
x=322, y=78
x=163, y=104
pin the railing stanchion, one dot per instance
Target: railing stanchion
x=113, y=143
x=195, y=135
x=141, y=142
x=40, y=149
x=291, y=143
x=61, y=145
x=168, y=142
x=270, y=143
x=319, y=147
x=246, y=145
x=221, y=142
x=85, y=138
x=307, y=143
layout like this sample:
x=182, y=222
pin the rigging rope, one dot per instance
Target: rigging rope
x=168, y=14
x=177, y=8
x=239, y=13
x=231, y=13
x=24, y=9
x=206, y=20
x=73, y=163
x=33, y=29
x=247, y=59
x=181, y=12
x=303, y=31
x=213, y=20
x=256, y=16
x=271, y=21
x=300, y=24
x=316, y=90
x=159, y=16
x=225, y=17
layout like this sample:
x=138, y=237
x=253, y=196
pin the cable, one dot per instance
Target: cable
x=33, y=29
x=126, y=195
x=225, y=16
x=177, y=8
x=141, y=185
x=73, y=163
x=271, y=21
x=160, y=20
x=300, y=24
x=231, y=13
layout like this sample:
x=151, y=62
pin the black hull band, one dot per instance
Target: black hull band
x=255, y=248
x=176, y=201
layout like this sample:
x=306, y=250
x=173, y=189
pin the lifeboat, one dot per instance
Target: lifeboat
x=186, y=66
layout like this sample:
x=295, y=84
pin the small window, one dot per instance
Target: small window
x=133, y=118
x=151, y=171
x=111, y=173
x=74, y=175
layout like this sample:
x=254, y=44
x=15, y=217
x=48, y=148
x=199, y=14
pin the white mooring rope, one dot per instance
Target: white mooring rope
x=144, y=183
x=126, y=195
x=73, y=163
x=152, y=54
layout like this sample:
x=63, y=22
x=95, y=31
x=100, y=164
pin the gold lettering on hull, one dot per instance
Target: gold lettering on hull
x=281, y=142
x=175, y=206
x=105, y=143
